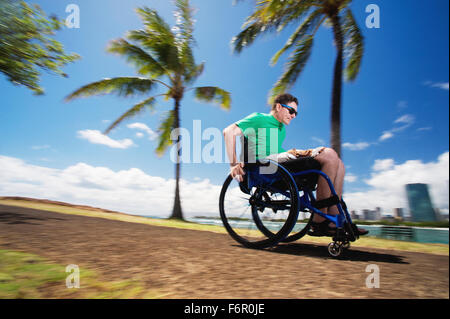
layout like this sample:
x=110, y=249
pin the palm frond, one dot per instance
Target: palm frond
x=164, y=130
x=344, y=4
x=191, y=71
x=122, y=86
x=164, y=49
x=145, y=63
x=183, y=31
x=282, y=12
x=155, y=24
x=268, y=17
x=135, y=110
x=306, y=27
x=215, y=95
x=247, y=36
x=185, y=22
x=194, y=73
x=158, y=38
x=294, y=66
x=354, y=46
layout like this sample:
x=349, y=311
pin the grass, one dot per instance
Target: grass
x=440, y=249
x=28, y=276
x=113, y=216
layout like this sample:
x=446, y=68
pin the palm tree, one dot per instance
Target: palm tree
x=275, y=15
x=163, y=57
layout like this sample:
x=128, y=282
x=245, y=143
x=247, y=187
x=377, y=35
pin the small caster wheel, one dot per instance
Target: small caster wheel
x=346, y=245
x=334, y=249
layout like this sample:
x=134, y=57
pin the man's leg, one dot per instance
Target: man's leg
x=334, y=168
x=338, y=186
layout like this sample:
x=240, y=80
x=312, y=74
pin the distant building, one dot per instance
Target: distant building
x=419, y=201
x=365, y=214
x=378, y=213
x=369, y=214
x=439, y=215
x=398, y=212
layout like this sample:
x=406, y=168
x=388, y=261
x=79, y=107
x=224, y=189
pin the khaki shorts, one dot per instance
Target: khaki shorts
x=306, y=153
x=294, y=153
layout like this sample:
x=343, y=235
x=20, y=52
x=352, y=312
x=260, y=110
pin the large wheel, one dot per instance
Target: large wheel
x=261, y=217
x=301, y=227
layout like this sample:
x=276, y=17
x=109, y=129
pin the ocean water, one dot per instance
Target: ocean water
x=420, y=234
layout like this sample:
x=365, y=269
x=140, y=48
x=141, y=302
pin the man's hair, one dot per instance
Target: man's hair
x=284, y=99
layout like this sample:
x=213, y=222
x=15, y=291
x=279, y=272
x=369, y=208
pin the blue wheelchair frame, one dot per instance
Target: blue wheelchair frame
x=339, y=219
x=307, y=200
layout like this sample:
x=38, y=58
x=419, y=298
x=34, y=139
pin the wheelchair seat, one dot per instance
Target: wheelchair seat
x=308, y=181
x=303, y=164
x=293, y=166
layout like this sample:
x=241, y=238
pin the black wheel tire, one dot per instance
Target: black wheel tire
x=301, y=233
x=334, y=249
x=270, y=239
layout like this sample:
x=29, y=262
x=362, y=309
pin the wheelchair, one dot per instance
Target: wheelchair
x=275, y=204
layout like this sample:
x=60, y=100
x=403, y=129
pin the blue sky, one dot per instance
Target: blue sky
x=395, y=115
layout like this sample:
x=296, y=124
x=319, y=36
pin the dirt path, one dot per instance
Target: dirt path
x=197, y=264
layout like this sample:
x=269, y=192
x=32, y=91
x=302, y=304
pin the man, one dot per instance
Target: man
x=265, y=134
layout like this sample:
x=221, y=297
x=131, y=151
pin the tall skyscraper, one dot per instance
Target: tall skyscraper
x=420, y=203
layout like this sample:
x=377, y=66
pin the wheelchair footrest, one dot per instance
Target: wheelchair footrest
x=327, y=202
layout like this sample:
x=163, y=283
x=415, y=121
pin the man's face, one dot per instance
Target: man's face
x=285, y=115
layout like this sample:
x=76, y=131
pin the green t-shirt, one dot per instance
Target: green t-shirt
x=264, y=133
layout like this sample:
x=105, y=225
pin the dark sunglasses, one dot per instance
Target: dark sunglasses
x=290, y=108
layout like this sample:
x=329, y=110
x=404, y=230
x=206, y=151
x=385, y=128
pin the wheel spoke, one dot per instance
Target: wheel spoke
x=264, y=218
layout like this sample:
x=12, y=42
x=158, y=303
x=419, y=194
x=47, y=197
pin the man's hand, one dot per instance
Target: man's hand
x=237, y=171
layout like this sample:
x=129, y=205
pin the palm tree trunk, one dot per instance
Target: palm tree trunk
x=337, y=87
x=176, y=212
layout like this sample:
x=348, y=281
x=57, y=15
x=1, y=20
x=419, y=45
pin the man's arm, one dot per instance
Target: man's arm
x=230, y=133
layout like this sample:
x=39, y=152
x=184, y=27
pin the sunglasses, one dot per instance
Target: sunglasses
x=290, y=109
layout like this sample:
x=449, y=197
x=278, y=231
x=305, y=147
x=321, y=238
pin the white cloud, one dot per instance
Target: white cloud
x=400, y=124
x=443, y=85
x=407, y=119
x=137, y=192
x=428, y=128
x=357, y=146
x=382, y=165
x=143, y=127
x=386, y=135
x=387, y=184
x=130, y=191
x=96, y=137
x=350, y=178
x=439, y=85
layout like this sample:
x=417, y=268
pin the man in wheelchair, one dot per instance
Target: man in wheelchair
x=264, y=135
